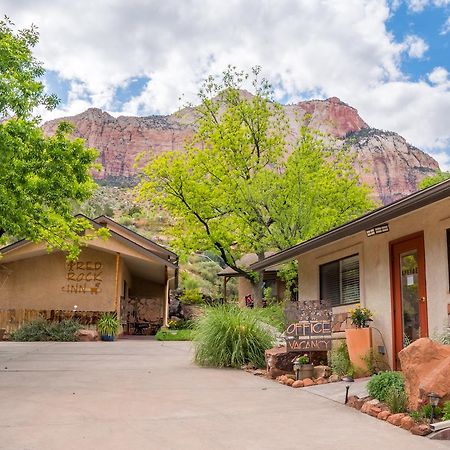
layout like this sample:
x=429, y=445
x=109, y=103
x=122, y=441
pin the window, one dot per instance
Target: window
x=339, y=281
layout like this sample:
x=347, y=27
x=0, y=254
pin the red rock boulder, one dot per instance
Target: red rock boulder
x=426, y=366
x=87, y=335
x=279, y=362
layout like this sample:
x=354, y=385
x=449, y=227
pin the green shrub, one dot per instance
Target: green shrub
x=416, y=416
x=424, y=413
x=340, y=361
x=175, y=335
x=272, y=315
x=380, y=385
x=108, y=324
x=192, y=297
x=375, y=362
x=41, y=330
x=229, y=336
x=446, y=411
x=182, y=324
x=396, y=400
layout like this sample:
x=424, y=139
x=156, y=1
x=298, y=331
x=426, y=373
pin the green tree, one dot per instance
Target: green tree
x=40, y=177
x=436, y=178
x=241, y=185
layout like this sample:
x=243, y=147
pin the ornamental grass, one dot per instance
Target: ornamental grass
x=229, y=336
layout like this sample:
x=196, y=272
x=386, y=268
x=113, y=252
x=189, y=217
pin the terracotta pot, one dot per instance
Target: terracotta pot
x=359, y=342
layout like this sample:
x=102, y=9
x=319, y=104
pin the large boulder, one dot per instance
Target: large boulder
x=279, y=361
x=426, y=366
x=87, y=335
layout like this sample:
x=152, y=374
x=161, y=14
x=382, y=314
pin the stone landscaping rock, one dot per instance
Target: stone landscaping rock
x=308, y=382
x=374, y=411
x=87, y=335
x=322, y=371
x=407, y=422
x=351, y=401
x=333, y=378
x=426, y=366
x=282, y=379
x=279, y=362
x=420, y=429
x=383, y=415
x=355, y=402
x=321, y=380
x=297, y=384
x=359, y=403
x=396, y=419
x=369, y=404
x=289, y=382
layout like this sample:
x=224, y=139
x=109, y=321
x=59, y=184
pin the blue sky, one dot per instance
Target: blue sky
x=428, y=24
x=387, y=58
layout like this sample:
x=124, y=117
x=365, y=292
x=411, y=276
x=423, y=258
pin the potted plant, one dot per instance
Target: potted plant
x=108, y=326
x=359, y=338
x=303, y=368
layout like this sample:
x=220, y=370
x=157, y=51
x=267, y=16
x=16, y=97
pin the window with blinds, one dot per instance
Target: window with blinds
x=339, y=281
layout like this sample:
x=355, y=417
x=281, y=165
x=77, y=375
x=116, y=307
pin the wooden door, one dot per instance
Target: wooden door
x=409, y=297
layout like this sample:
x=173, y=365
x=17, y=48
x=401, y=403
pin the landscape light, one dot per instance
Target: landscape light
x=379, y=229
x=434, y=401
x=346, y=393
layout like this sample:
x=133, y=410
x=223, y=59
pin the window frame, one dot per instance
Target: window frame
x=340, y=273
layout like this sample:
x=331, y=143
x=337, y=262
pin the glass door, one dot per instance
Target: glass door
x=409, y=302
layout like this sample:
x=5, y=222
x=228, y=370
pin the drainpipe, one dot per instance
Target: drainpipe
x=166, y=303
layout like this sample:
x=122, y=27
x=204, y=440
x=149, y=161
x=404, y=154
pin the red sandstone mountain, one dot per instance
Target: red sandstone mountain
x=389, y=164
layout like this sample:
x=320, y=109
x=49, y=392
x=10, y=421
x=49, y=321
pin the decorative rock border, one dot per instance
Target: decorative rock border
x=289, y=380
x=375, y=408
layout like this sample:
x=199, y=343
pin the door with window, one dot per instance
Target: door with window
x=409, y=298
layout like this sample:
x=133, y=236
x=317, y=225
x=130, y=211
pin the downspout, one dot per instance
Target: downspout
x=166, y=303
x=116, y=294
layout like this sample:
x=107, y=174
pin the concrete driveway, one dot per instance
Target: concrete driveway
x=148, y=395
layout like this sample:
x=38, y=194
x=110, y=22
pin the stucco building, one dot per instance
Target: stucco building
x=126, y=273
x=271, y=281
x=394, y=260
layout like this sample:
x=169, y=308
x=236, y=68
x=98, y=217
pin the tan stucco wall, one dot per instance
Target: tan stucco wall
x=49, y=282
x=433, y=220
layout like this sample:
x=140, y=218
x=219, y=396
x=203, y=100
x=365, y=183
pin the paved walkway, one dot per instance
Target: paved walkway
x=147, y=395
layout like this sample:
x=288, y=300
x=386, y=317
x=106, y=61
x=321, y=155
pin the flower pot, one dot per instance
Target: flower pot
x=305, y=371
x=359, y=342
x=107, y=337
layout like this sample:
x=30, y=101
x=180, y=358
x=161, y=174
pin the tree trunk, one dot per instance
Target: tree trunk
x=257, y=292
x=258, y=286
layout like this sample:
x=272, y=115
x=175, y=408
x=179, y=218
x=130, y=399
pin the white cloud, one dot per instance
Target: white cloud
x=439, y=76
x=446, y=27
x=329, y=47
x=415, y=46
x=419, y=5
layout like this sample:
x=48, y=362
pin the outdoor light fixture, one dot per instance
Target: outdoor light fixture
x=379, y=229
x=346, y=393
x=434, y=401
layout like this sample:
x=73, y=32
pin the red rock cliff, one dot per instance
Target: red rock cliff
x=389, y=163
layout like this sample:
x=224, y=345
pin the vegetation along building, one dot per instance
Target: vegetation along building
x=125, y=273
x=394, y=260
